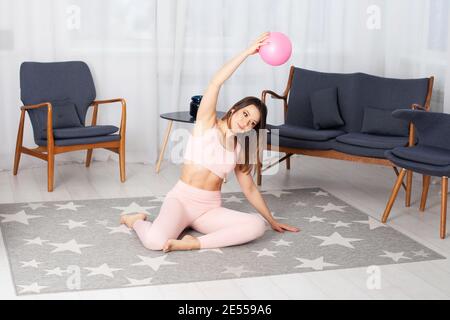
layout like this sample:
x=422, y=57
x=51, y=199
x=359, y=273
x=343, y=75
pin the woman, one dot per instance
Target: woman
x=212, y=151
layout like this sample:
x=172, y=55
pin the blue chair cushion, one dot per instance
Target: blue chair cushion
x=372, y=140
x=419, y=167
x=276, y=140
x=380, y=121
x=304, y=133
x=82, y=132
x=81, y=141
x=425, y=154
x=325, y=109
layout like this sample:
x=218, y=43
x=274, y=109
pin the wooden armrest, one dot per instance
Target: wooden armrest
x=416, y=106
x=36, y=106
x=273, y=95
x=50, y=140
x=97, y=102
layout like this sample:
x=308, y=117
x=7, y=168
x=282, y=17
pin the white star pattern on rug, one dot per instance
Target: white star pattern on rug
x=120, y=229
x=337, y=239
x=56, y=271
x=237, y=271
x=34, y=206
x=103, y=270
x=341, y=224
x=134, y=208
x=70, y=245
x=316, y=264
x=154, y=263
x=20, y=217
x=332, y=207
x=300, y=203
x=373, y=224
x=233, y=199
x=320, y=193
x=265, y=253
x=315, y=219
x=74, y=224
x=281, y=242
x=158, y=199
x=37, y=241
x=68, y=206
x=276, y=193
x=217, y=250
x=420, y=253
x=136, y=282
x=396, y=256
x=33, y=264
x=32, y=288
x=102, y=222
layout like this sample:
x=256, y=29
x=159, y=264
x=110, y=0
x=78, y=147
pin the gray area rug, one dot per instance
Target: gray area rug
x=79, y=245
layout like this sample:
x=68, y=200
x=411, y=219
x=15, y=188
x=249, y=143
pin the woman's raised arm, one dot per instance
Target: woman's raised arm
x=206, y=113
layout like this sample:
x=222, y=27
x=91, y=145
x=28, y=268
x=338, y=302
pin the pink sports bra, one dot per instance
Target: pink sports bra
x=207, y=151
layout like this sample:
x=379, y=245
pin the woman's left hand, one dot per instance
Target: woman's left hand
x=281, y=227
x=260, y=41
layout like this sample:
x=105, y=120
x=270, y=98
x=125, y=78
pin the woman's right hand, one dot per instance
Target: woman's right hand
x=260, y=41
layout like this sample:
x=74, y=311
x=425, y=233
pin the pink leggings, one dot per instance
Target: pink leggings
x=188, y=206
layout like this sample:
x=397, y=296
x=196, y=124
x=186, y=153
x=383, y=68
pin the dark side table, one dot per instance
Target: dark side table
x=180, y=116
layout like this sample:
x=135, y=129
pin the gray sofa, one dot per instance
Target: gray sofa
x=344, y=116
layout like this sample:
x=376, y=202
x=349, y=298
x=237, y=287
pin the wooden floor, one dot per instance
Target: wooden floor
x=365, y=187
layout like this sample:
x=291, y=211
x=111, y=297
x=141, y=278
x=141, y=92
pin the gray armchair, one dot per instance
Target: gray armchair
x=56, y=97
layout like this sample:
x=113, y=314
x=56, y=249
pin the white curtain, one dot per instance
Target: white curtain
x=157, y=54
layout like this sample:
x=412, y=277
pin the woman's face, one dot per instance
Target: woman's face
x=245, y=119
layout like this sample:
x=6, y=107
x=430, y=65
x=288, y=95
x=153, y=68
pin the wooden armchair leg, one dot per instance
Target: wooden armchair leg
x=444, y=190
x=88, y=157
x=394, y=193
x=50, y=171
x=122, y=163
x=258, y=172
x=409, y=176
x=19, y=143
x=425, y=187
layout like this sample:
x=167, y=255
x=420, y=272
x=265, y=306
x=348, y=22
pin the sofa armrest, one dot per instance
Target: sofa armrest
x=273, y=95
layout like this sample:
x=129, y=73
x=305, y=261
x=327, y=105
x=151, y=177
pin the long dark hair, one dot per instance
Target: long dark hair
x=244, y=164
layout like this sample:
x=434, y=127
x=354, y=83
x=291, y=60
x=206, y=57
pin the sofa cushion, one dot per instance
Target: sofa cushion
x=372, y=141
x=83, y=132
x=325, y=109
x=358, y=150
x=276, y=140
x=304, y=133
x=424, y=154
x=380, y=121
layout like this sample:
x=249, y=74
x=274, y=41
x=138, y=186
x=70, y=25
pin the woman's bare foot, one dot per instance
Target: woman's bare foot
x=130, y=219
x=186, y=243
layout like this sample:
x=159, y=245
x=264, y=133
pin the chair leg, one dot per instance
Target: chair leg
x=19, y=143
x=409, y=176
x=258, y=171
x=444, y=190
x=394, y=193
x=88, y=157
x=122, y=163
x=425, y=187
x=288, y=163
x=50, y=170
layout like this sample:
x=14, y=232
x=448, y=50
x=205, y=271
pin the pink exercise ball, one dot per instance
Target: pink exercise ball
x=278, y=50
